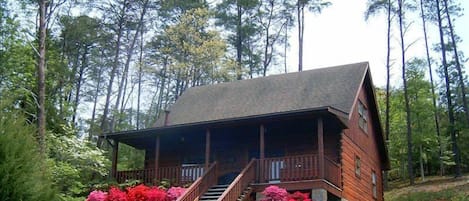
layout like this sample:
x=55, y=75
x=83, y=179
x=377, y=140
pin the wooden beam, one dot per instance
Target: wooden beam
x=115, y=151
x=207, y=148
x=157, y=156
x=262, y=142
x=261, y=151
x=321, y=147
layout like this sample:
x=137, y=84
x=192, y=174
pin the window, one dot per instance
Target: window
x=357, y=166
x=373, y=183
x=363, y=113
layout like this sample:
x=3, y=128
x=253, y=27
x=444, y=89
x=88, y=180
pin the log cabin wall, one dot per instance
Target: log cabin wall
x=358, y=143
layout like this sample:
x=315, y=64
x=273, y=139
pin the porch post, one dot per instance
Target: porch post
x=321, y=148
x=207, y=148
x=261, y=153
x=262, y=143
x=157, y=156
x=115, y=150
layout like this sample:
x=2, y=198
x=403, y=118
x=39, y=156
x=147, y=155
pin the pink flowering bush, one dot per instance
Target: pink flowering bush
x=299, y=196
x=274, y=193
x=97, y=196
x=115, y=194
x=175, y=192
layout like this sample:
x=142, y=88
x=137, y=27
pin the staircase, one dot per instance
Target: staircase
x=213, y=193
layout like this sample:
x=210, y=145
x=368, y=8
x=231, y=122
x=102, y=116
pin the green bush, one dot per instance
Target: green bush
x=24, y=173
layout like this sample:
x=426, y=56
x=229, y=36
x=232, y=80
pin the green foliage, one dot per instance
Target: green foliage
x=77, y=164
x=24, y=175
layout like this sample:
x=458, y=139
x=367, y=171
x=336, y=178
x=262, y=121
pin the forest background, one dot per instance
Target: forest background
x=73, y=70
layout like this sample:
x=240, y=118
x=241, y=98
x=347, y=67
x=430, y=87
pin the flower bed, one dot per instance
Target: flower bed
x=137, y=193
x=275, y=193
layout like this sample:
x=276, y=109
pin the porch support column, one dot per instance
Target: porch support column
x=261, y=153
x=262, y=142
x=321, y=148
x=207, y=148
x=115, y=150
x=157, y=157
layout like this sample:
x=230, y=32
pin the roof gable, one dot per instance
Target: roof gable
x=326, y=87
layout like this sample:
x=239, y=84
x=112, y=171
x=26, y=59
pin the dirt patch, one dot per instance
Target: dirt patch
x=434, y=184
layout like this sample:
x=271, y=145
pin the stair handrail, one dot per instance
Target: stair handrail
x=201, y=185
x=240, y=183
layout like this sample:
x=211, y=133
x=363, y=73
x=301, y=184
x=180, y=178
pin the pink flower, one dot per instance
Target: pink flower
x=274, y=193
x=97, y=196
x=175, y=192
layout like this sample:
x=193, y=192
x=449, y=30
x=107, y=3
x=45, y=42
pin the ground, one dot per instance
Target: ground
x=433, y=189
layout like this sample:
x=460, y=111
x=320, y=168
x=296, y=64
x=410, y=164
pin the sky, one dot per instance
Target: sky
x=340, y=35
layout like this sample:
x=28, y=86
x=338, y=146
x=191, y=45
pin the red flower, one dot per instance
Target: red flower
x=298, y=196
x=137, y=193
x=156, y=194
x=115, y=194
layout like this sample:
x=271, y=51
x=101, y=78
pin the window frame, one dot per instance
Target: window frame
x=374, y=186
x=362, y=116
x=357, y=166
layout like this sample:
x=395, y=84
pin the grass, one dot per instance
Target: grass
x=433, y=189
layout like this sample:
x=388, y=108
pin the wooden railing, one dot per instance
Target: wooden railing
x=145, y=176
x=177, y=175
x=240, y=183
x=332, y=172
x=289, y=168
x=201, y=185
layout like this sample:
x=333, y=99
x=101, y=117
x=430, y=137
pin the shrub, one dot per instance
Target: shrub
x=24, y=173
x=274, y=193
x=97, y=196
x=299, y=196
x=115, y=194
x=137, y=193
x=175, y=192
x=156, y=194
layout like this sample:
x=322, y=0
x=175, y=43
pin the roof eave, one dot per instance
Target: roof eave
x=341, y=116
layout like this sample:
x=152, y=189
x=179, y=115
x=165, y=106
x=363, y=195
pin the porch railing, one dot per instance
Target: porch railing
x=201, y=185
x=177, y=175
x=297, y=168
x=240, y=183
x=288, y=168
x=332, y=172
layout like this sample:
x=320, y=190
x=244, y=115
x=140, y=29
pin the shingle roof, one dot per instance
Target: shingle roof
x=325, y=87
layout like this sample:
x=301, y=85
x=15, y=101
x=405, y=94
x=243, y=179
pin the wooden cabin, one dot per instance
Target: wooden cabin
x=315, y=131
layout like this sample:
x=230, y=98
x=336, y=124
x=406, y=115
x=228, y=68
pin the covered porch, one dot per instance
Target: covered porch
x=297, y=152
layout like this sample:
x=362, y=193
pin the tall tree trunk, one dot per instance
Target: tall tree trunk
x=130, y=52
x=430, y=71
x=239, y=43
x=41, y=73
x=406, y=95
x=95, y=103
x=388, y=83
x=301, y=20
x=422, y=172
x=104, y=121
x=140, y=73
x=456, y=58
x=449, y=100
x=79, y=82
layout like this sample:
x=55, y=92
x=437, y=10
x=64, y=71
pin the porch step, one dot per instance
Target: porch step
x=213, y=193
